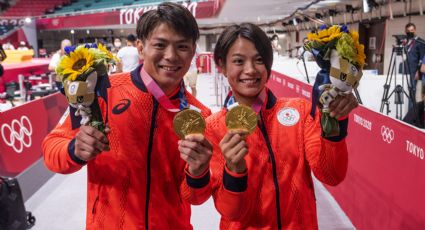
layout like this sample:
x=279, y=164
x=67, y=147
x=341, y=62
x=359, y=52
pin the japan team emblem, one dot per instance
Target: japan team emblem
x=288, y=116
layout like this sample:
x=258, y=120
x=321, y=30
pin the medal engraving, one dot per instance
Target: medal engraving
x=241, y=117
x=187, y=122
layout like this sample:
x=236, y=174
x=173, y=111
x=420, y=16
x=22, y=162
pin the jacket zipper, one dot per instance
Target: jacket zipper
x=148, y=168
x=93, y=210
x=273, y=161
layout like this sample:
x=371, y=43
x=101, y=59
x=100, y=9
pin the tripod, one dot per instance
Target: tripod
x=305, y=67
x=398, y=91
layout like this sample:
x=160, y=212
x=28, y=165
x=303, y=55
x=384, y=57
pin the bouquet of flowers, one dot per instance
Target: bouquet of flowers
x=341, y=58
x=80, y=70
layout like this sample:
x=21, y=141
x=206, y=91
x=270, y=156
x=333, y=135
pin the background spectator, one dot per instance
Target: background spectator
x=22, y=46
x=128, y=55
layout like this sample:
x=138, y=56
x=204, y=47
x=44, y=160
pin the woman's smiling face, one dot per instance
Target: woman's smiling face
x=245, y=71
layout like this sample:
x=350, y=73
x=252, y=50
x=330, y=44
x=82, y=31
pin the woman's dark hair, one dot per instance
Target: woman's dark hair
x=247, y=31
x=174, y=15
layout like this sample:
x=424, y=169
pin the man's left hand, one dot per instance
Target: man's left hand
x=342, y=105
x=196, y=151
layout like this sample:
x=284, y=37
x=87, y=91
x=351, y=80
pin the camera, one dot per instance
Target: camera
x=399, y=38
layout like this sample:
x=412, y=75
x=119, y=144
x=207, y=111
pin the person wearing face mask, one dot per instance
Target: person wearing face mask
x=415, y=49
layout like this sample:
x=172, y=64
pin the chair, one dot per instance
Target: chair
x=11, y=87
x=28, y=91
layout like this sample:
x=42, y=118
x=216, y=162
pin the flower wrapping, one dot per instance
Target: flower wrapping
x=341, y=58
x=80, y=71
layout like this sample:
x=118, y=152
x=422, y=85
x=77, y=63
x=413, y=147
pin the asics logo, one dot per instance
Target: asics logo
x=121, y=107
x=387, y=134
x=18, y=134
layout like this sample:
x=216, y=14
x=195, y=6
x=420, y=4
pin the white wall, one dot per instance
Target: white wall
x=202, y=43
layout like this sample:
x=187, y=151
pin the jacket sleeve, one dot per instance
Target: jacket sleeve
x=230, y=193
x=229, y=189
x=196, y=190
x=58, y=147
x=328, y=158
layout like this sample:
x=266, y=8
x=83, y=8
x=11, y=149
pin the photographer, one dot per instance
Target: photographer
x=415, y=49
x=417, y=119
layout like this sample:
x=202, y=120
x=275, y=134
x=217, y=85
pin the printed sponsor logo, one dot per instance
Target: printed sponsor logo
x=121, y=107
x=363, y=122
x=305, y=93
x=290, y=85
x=18, y=134
x=278, y=79
x=132, y=15
x=288, y=116
x=55, y=22
x=12, y=22
x=415, y=150
x=387, y=134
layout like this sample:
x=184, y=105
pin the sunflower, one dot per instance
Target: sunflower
x=361, y=56
x=109, y=55
x=325, y=35
x=77, y=63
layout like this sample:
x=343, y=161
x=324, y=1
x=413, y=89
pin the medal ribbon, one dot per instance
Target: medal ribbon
x=256, y=106
x=160, y=96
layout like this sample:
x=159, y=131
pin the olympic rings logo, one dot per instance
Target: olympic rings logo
x=387, y=134
x=18, y=134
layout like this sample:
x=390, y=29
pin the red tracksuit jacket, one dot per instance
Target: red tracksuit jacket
x=277, y=191
x=139, y=182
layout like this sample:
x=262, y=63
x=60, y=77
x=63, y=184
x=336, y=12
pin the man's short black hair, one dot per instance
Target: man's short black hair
x=247, y=31
x=174, y=15
x=131, y=38
x=409, y=25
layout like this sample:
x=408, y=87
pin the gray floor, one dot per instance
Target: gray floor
x=60, y=203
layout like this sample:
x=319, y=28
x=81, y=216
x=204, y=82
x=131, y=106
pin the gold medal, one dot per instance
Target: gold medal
x=241, y=117
x=187, y=122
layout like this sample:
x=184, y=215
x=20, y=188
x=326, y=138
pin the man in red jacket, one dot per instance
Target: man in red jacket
x=136, y=175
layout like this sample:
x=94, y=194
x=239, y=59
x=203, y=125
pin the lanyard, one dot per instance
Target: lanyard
x=256, y=106
x=160, y=96
x=412, y=42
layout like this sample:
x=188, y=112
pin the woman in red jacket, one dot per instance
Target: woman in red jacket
x=263, y=180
